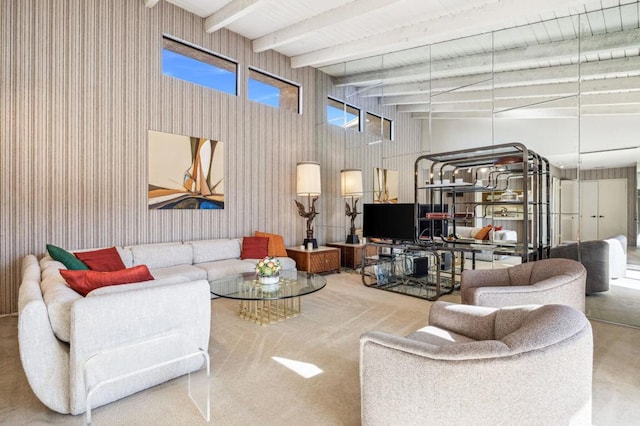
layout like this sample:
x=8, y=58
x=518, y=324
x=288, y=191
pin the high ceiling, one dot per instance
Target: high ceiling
x=456, y=58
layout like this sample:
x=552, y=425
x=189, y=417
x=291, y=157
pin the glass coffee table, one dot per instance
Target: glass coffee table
x=266, y=304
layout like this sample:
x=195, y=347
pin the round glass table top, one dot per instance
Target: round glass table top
x=246, y=286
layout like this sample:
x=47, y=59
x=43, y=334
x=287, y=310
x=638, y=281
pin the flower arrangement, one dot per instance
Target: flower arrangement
x=268, y=267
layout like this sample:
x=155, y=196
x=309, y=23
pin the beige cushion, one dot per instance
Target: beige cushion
x=212, y=250
x=180, y=272
x=162, y=255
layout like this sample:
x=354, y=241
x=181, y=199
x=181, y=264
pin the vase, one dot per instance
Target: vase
x=271, y=279
x=270, y=283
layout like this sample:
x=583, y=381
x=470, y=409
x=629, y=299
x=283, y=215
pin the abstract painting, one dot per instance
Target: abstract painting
x=185, y=172
x=385, y=186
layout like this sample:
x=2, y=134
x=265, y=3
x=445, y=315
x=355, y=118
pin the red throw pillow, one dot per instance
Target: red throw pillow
x=85, y=281
x=103, y=260
x=254, y=248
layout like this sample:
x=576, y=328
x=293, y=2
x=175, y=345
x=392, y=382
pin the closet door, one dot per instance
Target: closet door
x=569, y=216
x=612, y=207
x=603, y=208
x=589, y=210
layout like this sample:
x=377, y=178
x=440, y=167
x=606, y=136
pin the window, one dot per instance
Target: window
x=341, y=114
x=273, y=91
x=198, y=66
x=379, y=126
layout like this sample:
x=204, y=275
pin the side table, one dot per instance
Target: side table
x=351, y=254
x=316, y=261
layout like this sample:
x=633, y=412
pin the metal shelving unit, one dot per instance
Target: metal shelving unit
x=493, y=169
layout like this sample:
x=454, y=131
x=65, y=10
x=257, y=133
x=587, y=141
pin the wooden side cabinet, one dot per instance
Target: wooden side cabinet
x=351, y=254
x=316, y=261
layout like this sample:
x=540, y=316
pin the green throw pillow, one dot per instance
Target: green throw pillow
x=66, y=258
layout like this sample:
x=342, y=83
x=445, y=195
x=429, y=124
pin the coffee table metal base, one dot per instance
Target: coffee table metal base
x=270, y=311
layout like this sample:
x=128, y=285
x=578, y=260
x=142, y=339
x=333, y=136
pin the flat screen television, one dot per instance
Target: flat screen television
x=389, y=221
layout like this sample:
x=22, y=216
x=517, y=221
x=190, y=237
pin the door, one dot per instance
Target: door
x=569, y=211
x=603, y=208
x=612, y=208
x=589, y=210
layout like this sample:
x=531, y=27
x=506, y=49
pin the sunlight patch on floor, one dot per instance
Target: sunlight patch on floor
x=304, y=369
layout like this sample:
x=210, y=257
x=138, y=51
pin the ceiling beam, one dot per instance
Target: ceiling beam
x=355, y=9
x=524, y=57
x=522, y=78
x=229, y=13
x=629, y=101
x=492, y=16
x=620, y=88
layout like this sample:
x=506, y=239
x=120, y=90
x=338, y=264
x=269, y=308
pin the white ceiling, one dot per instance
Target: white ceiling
x=381, y=48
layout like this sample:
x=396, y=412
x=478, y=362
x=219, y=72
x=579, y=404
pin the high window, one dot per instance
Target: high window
x=379, y=126
x=341, y=114
x=273, y=91
x=199, y=66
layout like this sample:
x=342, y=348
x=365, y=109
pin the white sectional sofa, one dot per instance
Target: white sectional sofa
x=503, y=236
x=59, y=330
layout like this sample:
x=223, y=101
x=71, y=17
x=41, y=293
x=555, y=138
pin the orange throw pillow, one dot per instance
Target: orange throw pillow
x=85, y=281
x=276, y=244
x=483, y=234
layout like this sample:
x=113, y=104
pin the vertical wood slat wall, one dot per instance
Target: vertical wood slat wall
x=339, y=148
x=81, y=85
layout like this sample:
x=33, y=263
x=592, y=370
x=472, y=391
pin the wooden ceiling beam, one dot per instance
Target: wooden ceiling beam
x=467, y=23
x=525, y=57
x=302, y=29
x=230, y=13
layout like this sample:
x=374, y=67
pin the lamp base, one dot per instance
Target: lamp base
x=313, y=241
x=353, y=239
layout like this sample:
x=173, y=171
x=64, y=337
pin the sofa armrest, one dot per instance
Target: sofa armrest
x=128, y=319
x=545, y=292
x=402, y=381
x=45, y=359
x=475, y=322
x=485, y=277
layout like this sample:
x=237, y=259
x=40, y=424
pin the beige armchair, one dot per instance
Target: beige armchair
x=541, y=282
x=526, y=365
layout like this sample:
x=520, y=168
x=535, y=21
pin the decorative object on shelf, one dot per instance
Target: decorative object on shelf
x=351, y=186
x=308, y=183
x=268, y=271
x=509, y=195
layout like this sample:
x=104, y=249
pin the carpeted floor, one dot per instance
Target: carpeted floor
x=249, y=386
x=619, y=305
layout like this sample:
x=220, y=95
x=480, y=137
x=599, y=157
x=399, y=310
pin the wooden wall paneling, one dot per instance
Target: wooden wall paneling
x=81, y=86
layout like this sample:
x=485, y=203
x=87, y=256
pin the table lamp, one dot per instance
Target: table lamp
x=308, y=184
x=351, y=186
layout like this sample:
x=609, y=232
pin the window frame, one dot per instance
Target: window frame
x=379, y=131
x=280, y=83
x=198, y=53
x=347, y=105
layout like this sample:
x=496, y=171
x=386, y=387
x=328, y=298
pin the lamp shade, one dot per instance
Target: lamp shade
x=351, y=183
x=308, y=178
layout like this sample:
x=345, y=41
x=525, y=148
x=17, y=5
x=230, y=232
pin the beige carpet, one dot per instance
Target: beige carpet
x=249, y=387
x=619, y=305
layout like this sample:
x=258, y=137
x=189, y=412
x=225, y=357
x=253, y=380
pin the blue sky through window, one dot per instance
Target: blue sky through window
x=264, y=93
x=337, y=116
x=194, y=71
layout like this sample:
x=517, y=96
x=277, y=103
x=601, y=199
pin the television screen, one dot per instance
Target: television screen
x=389, y=221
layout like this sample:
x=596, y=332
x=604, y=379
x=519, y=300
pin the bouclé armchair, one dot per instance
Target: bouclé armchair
x=526, y=365
x=541, y=282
